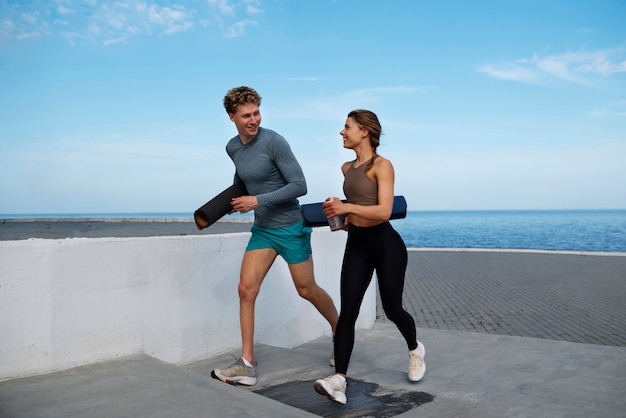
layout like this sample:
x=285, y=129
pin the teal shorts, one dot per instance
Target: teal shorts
x=292, y=243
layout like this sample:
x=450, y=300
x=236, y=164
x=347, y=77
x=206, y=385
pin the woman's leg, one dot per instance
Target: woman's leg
x=356, y=274
x=391, y=270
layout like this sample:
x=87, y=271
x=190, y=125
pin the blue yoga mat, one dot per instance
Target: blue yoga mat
x=312, y=214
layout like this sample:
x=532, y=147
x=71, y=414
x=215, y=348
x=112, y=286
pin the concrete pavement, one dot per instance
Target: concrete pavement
x=468, y=375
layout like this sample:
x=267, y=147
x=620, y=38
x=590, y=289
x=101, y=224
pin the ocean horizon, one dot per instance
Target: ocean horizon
x=595, y=230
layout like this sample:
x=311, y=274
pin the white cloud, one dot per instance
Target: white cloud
x=124, y=20
x=601, y=64
x=64, y=10
x=27, y=35
x=228, y=9
x=510, y=72
x=238, y=29
x=556, y=66
x=29, y=18
x=116, y=20
x=174, y=20
x=253, y=10
x=223, y=6
x=94, y=30
x=607, y=113
x=7, y=27
x=113, y=41
x=574, y=67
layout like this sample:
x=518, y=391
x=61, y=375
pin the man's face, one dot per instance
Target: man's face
x=247, y=119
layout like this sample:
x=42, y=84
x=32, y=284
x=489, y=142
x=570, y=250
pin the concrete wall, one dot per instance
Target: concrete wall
x=75, y=301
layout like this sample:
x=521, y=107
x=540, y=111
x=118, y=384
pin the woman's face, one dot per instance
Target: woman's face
x=352, y=134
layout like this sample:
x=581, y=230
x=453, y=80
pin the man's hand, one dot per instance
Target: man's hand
x=244, y=204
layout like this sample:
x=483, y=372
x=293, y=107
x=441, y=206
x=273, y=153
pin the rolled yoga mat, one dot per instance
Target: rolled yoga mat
x=312, y=214
x=219, y=206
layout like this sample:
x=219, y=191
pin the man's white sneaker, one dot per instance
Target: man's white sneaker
x=417, y=367
x=333, y=388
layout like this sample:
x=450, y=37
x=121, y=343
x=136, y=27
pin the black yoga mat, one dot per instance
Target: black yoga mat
x=219, y=206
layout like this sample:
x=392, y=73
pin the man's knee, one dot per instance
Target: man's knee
x=247, y=292
x=307, y=292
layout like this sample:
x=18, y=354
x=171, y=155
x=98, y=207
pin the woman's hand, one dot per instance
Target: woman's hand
x=333, y=206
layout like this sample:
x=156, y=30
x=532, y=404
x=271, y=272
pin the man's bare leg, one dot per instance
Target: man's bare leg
x=254, y=267
x=304, y=280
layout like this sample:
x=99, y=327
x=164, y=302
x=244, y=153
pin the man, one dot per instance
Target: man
x=274, y=179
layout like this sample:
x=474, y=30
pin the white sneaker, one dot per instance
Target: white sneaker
x=333, y=388
x=417, y=367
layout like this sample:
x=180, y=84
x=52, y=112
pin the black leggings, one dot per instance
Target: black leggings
x=377, y=248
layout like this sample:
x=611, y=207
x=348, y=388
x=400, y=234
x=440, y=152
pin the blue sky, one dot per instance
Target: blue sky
x=116, y=106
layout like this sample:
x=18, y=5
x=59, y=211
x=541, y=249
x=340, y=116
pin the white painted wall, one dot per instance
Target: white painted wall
x=75, y=301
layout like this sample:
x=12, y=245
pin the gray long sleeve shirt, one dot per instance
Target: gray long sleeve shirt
x=271, y=172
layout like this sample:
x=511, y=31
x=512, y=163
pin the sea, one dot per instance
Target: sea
x=561, y=230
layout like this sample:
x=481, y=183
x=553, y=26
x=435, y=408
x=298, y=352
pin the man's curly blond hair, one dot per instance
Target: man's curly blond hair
x=240, y=96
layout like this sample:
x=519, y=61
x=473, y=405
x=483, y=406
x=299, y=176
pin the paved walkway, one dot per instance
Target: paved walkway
x=507, y=334
x=468, y=375
x=576, y=297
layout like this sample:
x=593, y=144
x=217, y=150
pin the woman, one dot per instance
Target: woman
x=372, y=245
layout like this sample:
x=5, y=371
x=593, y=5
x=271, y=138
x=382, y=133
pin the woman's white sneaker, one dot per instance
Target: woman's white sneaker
x=417, y=366
x=333, y=388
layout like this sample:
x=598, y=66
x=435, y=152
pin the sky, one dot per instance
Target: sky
x=116, y=106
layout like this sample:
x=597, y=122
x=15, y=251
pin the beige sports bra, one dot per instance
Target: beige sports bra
x=358, y=188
